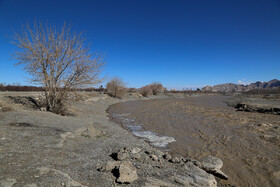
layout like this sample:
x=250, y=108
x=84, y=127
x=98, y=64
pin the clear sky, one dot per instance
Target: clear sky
x=188, y=43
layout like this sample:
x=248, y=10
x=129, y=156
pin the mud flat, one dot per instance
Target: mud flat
x=194, y=127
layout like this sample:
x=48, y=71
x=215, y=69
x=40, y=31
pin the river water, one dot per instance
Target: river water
x=195, y=127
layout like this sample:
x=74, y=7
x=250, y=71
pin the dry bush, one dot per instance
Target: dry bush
x=152, y=89
x=146, y=91
x=116, y=87
x=157, y=88
x=132, y=90
x=58, y=59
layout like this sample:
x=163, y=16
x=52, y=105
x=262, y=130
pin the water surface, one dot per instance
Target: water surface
x=195, y=127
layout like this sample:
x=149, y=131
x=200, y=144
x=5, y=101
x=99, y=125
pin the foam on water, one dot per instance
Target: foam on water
x=137, y=130
x=158, y=141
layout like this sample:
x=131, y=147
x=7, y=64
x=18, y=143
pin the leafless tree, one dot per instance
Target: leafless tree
x=116, y=87
x=58, y=59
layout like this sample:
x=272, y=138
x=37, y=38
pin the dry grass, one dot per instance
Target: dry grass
x=5, y=106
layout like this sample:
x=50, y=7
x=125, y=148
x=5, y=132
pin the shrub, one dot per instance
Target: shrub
x=152, y=89
x=146, y=91
x=116, y=87
x=132, y=90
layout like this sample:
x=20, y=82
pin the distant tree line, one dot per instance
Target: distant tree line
x=15, y=87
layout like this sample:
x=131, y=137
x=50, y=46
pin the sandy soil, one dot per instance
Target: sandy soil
x=46, y=149
x=248, y=143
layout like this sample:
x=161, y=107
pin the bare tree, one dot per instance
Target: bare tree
x=57, y=59
x=116, y=87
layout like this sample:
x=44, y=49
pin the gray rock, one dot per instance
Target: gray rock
x=182, y=180
x=43, y=109
x=167, y=156
x=195, y=177
x=197, y=163
x=213, y=165
x=135, y=150
x=175, y=160
x=154, y=157
x=136, y=156
x=122, y=154
x=153, y=182
x=7, y=182
x=127, y=172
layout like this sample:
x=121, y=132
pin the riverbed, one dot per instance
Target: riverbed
x=195, y=127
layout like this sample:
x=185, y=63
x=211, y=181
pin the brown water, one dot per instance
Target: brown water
x=204, y=126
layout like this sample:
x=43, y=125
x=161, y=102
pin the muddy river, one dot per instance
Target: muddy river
x=195, y=127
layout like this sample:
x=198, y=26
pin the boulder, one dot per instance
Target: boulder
x=195, y=177
x=112, y=165
x=127, y=172
x=213, y=165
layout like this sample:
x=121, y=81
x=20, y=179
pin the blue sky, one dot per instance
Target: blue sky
x=189, y=43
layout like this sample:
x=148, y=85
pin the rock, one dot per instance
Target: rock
x=7, y=182
x=135, y=150
x=186, y=159
x=195, y=177
x=197, y=163
x=213, y=165
x=265, y=124
x=153, y=182
x=136, y=156
x=154, y=157
x=127, y=172
x=0, y=108
x=112, y=165
x=122, y=154
x=43, y=109
x=181, y=180
x=175, y=160
x=167, y=156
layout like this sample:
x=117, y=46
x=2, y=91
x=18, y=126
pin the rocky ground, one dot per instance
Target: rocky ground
x=268, y=104
x=39, y=148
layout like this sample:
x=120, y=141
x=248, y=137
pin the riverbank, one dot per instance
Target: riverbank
x=39, y=148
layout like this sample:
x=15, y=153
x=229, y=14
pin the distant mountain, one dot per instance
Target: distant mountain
x=229, y=87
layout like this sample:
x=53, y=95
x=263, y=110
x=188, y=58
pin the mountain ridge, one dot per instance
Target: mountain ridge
x=231, y=87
